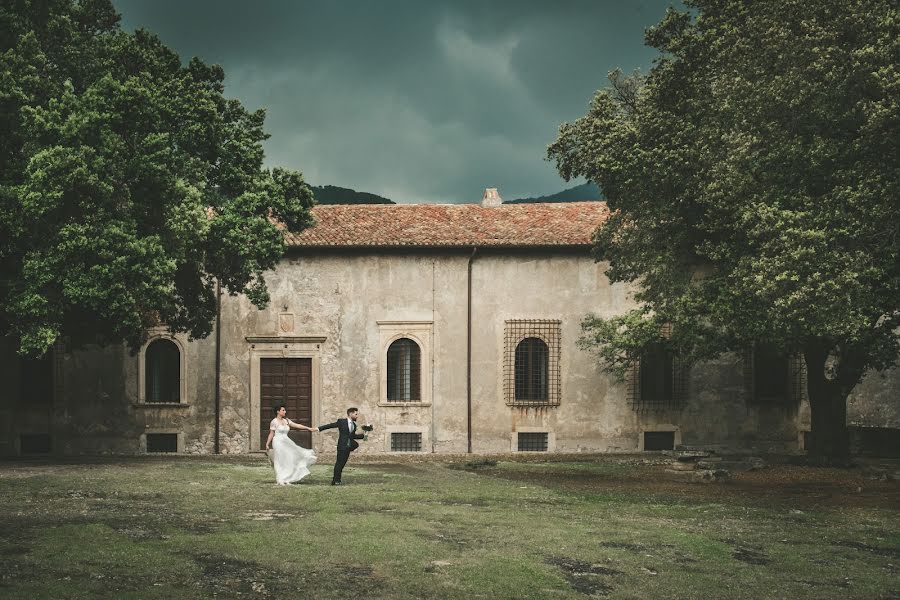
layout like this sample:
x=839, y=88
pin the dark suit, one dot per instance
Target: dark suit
x=345, y=445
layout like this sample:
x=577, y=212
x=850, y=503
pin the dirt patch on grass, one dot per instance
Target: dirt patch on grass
x=822, y=583
x=779, y=485
x=394, y=468
x=751, y=556
x=892, y=552
x=227, y=576
x=584, y=577
x=470, y=502
x=473, y=465
x=624, y=546
x=374, y=474
x=267, y=515
x=453, y=538
x=579, y=567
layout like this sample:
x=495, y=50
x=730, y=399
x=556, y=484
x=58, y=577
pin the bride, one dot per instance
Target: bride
x=291, y=462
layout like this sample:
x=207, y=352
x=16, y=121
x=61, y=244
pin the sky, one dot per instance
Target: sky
x=419, y=101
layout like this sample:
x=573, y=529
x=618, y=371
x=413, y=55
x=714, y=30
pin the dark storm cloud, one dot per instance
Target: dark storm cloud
x=426, y=101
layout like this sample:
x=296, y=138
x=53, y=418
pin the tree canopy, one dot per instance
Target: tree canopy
x=129, y=185
x=753, y=177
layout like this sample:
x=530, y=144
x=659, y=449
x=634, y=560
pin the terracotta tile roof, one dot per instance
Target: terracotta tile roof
x=452, y=225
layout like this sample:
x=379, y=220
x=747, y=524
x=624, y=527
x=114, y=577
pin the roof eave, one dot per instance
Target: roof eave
x=394, y=247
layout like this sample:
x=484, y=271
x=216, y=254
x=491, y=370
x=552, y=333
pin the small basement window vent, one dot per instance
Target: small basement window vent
x=162, y=442
x=659, y=440
x=532, y=442
x=406, y=442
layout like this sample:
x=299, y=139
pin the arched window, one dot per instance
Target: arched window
x=404, y=363
x=532, y=362
x=531, y=357
x=162, y=371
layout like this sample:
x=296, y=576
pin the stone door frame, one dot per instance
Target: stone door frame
x=283, y=347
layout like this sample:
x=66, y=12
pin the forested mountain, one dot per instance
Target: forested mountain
x=331, y=194
x=579, y=193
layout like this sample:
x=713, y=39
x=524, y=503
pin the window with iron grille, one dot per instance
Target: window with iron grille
x=404, y=361
x=531, y=362
x=657, y=380
x=406, y=442
x=773, y=377
x=162, y=372
x=532, y=441
x=162, y=442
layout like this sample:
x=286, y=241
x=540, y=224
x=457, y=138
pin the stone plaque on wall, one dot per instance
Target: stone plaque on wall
x=286, y=323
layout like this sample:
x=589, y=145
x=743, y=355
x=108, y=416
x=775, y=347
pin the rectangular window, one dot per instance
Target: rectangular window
x=659, y=440
x=406, y=442
x=532, y=442
x=656, y=376
x=162, y=442
x=772, y=377
x=531, y=349
x=35, y=443
x=657, y=380
x=36, y=376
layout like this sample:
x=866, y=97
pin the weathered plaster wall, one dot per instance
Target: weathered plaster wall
x=100, y=409
x=351, y=300
x=594, y=414
x=19, y=413
x=95, y=410
x=343, y=299
x=564, y=287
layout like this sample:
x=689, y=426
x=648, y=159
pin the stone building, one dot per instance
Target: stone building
x=453, y=328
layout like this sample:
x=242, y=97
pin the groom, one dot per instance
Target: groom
x=346, y=441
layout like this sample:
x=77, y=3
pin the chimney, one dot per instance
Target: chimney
x=491, y=198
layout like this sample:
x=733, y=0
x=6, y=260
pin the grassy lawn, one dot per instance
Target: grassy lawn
x=619, y=527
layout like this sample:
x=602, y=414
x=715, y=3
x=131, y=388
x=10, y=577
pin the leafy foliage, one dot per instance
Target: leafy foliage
x=753, y=178
x=129, y=185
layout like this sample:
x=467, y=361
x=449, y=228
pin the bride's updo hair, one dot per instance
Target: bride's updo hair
x=279, y=407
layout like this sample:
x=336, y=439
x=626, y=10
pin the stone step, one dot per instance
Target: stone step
x=749, y=464
x=682, y=466
x=685, y=455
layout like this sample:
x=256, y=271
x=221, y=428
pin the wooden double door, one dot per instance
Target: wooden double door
x=286, y=381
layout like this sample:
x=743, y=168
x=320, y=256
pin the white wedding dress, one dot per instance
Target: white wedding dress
x=291, y=461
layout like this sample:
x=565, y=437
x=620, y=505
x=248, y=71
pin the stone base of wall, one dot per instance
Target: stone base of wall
x=882, y=442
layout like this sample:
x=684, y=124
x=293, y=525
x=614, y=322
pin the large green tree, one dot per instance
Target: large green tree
x=754, y=181
x=129, y=185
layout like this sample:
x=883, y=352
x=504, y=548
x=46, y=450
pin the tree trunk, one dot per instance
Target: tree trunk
x=828, y=439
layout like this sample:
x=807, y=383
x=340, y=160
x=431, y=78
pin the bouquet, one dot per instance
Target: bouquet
x=366, y=429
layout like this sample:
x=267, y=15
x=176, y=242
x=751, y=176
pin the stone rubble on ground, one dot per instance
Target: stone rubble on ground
x=705, y=467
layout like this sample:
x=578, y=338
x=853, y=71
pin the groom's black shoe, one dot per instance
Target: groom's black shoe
x=336, y=483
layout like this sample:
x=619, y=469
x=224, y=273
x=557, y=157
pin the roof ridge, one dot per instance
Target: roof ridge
x=538, y=224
